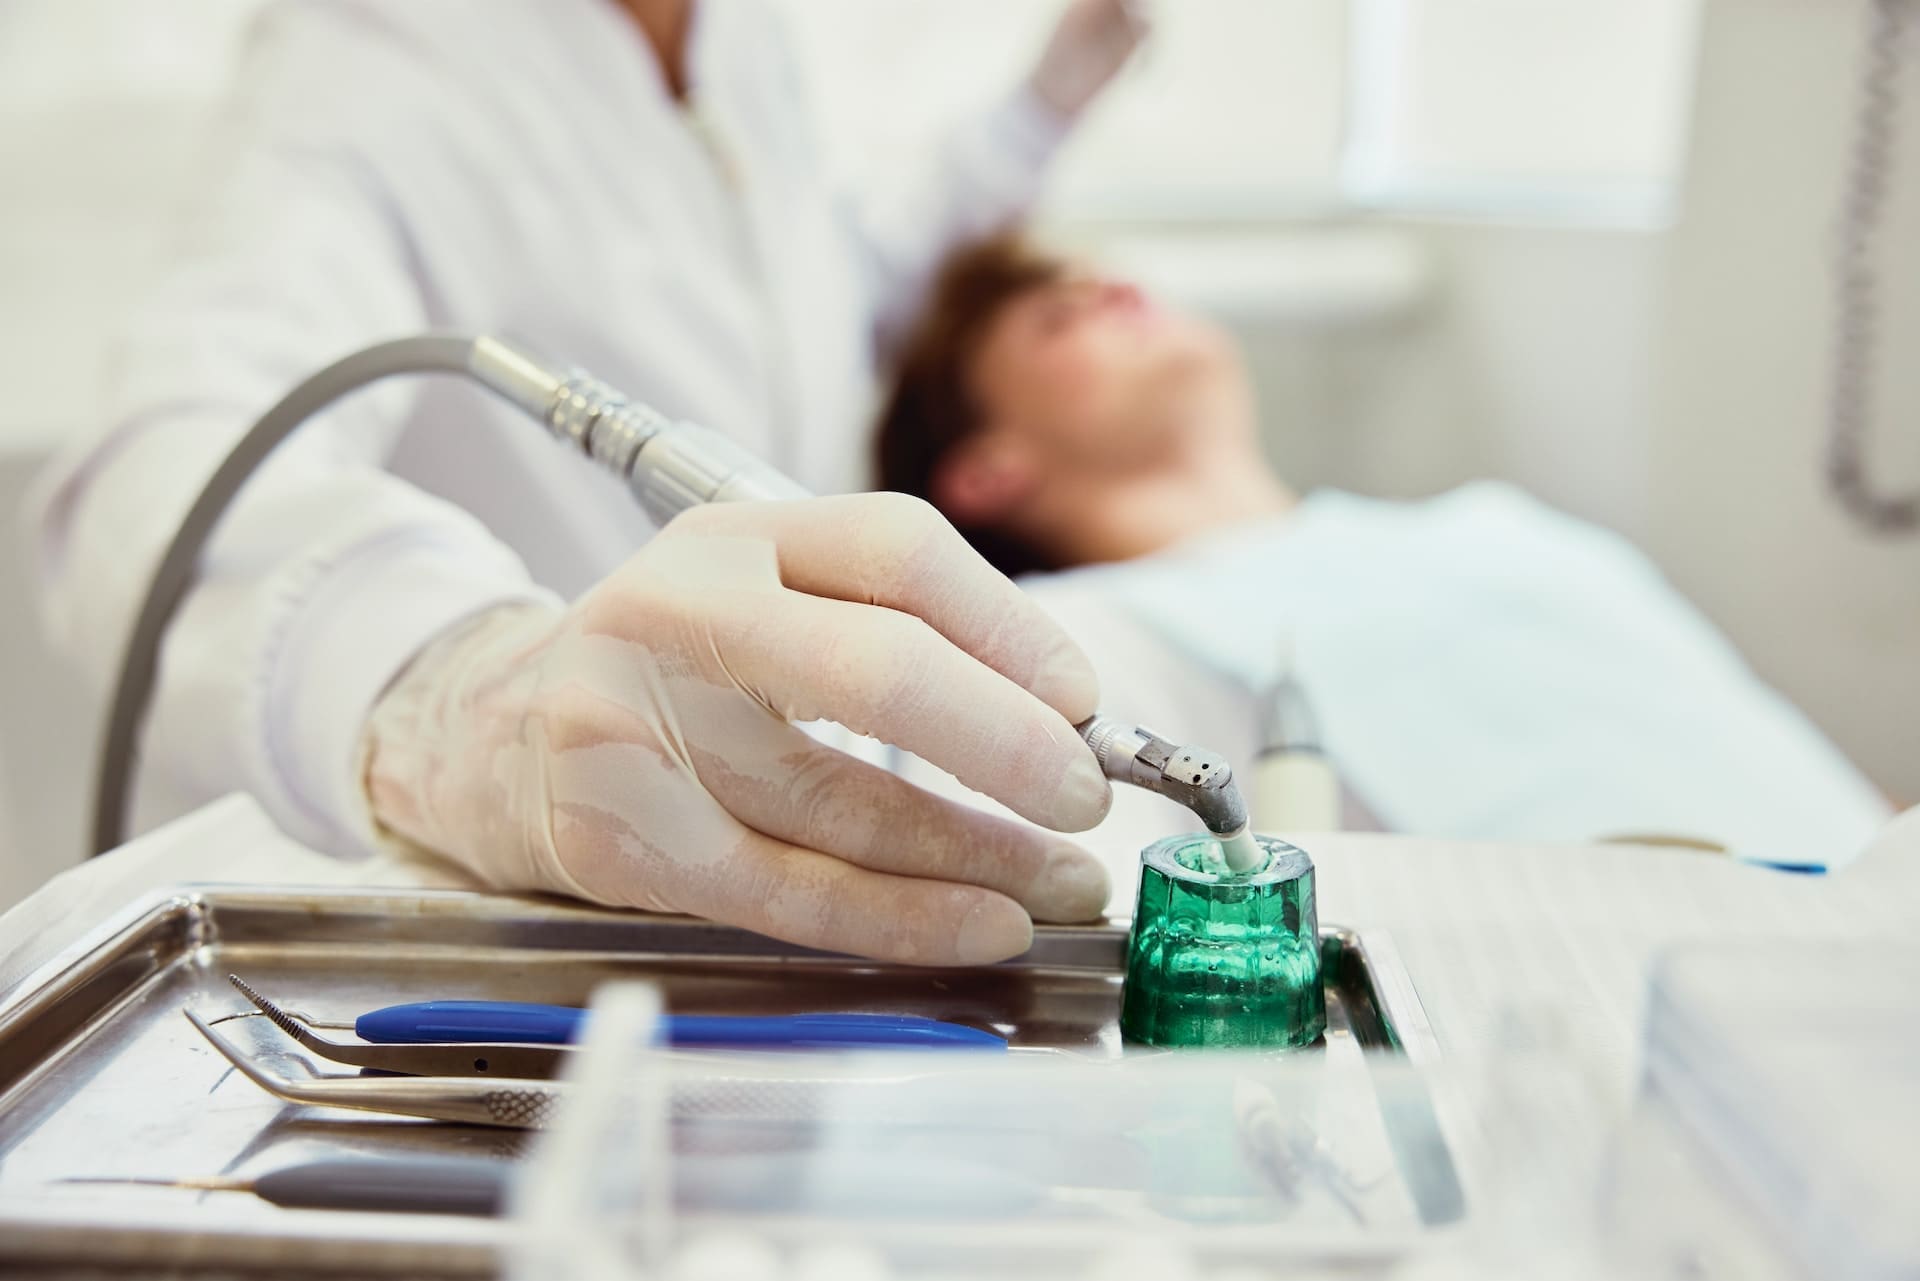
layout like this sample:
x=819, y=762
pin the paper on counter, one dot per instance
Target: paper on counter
x=1567, y=935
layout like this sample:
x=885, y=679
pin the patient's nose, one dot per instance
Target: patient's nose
x=1121, y=295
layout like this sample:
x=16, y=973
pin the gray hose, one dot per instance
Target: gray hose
x=429, y=353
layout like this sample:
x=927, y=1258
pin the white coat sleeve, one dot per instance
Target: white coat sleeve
x=981, y=175
x=329, y=573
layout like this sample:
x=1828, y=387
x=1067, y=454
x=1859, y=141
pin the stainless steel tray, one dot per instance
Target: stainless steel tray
x=101, y=1077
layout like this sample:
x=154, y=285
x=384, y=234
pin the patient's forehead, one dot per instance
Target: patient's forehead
x=1030, y=310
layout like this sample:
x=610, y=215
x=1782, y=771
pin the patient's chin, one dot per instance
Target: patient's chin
x=1197, y=366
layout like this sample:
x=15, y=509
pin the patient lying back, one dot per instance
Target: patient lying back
x=1482, y=666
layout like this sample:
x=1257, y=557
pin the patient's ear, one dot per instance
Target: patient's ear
x=982, y=479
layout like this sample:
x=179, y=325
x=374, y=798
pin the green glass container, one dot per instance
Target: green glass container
x=1223, y=959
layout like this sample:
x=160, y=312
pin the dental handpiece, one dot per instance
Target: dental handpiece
x=1193, y=776
x=668, y=466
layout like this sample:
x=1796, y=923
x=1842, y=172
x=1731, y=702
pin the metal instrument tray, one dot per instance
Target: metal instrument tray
x=100, y=1076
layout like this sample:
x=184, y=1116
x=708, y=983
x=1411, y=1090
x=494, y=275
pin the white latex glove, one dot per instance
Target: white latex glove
x=638, y=748
x=1089, y=45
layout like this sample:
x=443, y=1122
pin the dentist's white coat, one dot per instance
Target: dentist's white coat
x=514, y=167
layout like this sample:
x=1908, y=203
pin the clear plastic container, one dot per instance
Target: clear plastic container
x=1028, y=1164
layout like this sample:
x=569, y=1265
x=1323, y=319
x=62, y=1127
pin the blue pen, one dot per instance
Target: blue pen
x=1800, y=869
x=508, y=1021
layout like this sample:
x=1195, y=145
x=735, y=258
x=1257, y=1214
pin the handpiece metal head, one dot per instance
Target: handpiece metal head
x=1195, y=777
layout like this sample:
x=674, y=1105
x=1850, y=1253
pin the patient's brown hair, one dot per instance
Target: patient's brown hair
x=932, y=407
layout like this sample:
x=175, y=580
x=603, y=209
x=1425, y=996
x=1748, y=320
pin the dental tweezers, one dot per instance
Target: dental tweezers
x=785, y=1091
x=498, y=1038
x=520, y=1106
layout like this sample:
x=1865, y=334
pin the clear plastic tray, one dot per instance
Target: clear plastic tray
x=1783, y=1095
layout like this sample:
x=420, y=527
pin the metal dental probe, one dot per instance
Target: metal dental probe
x=476, y=1059
x=794, y=1182
x=667, y=465
x=448, y=1185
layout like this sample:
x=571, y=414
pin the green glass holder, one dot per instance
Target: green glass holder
x=1219, y=958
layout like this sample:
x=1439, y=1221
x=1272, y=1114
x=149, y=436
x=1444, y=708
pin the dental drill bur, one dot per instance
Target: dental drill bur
x=1195, y=777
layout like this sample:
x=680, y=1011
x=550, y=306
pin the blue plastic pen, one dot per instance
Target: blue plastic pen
x=508, y=1021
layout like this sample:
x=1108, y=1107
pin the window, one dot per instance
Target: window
x=1547, y=107
x=1254, y=109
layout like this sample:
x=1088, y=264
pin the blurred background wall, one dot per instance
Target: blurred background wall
x=105, y=107
x=1578, y=244
x=1737, y=514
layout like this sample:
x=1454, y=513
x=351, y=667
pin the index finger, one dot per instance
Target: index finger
x=897, y=551
x=888, y=675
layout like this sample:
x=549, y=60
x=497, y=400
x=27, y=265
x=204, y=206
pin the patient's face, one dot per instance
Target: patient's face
x=1090, y=371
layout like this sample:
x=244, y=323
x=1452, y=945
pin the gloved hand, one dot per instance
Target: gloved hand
x=1089, y=45
x=638, y=748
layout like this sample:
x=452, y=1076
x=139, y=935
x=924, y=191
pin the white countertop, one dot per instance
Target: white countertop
x=1551, y=936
